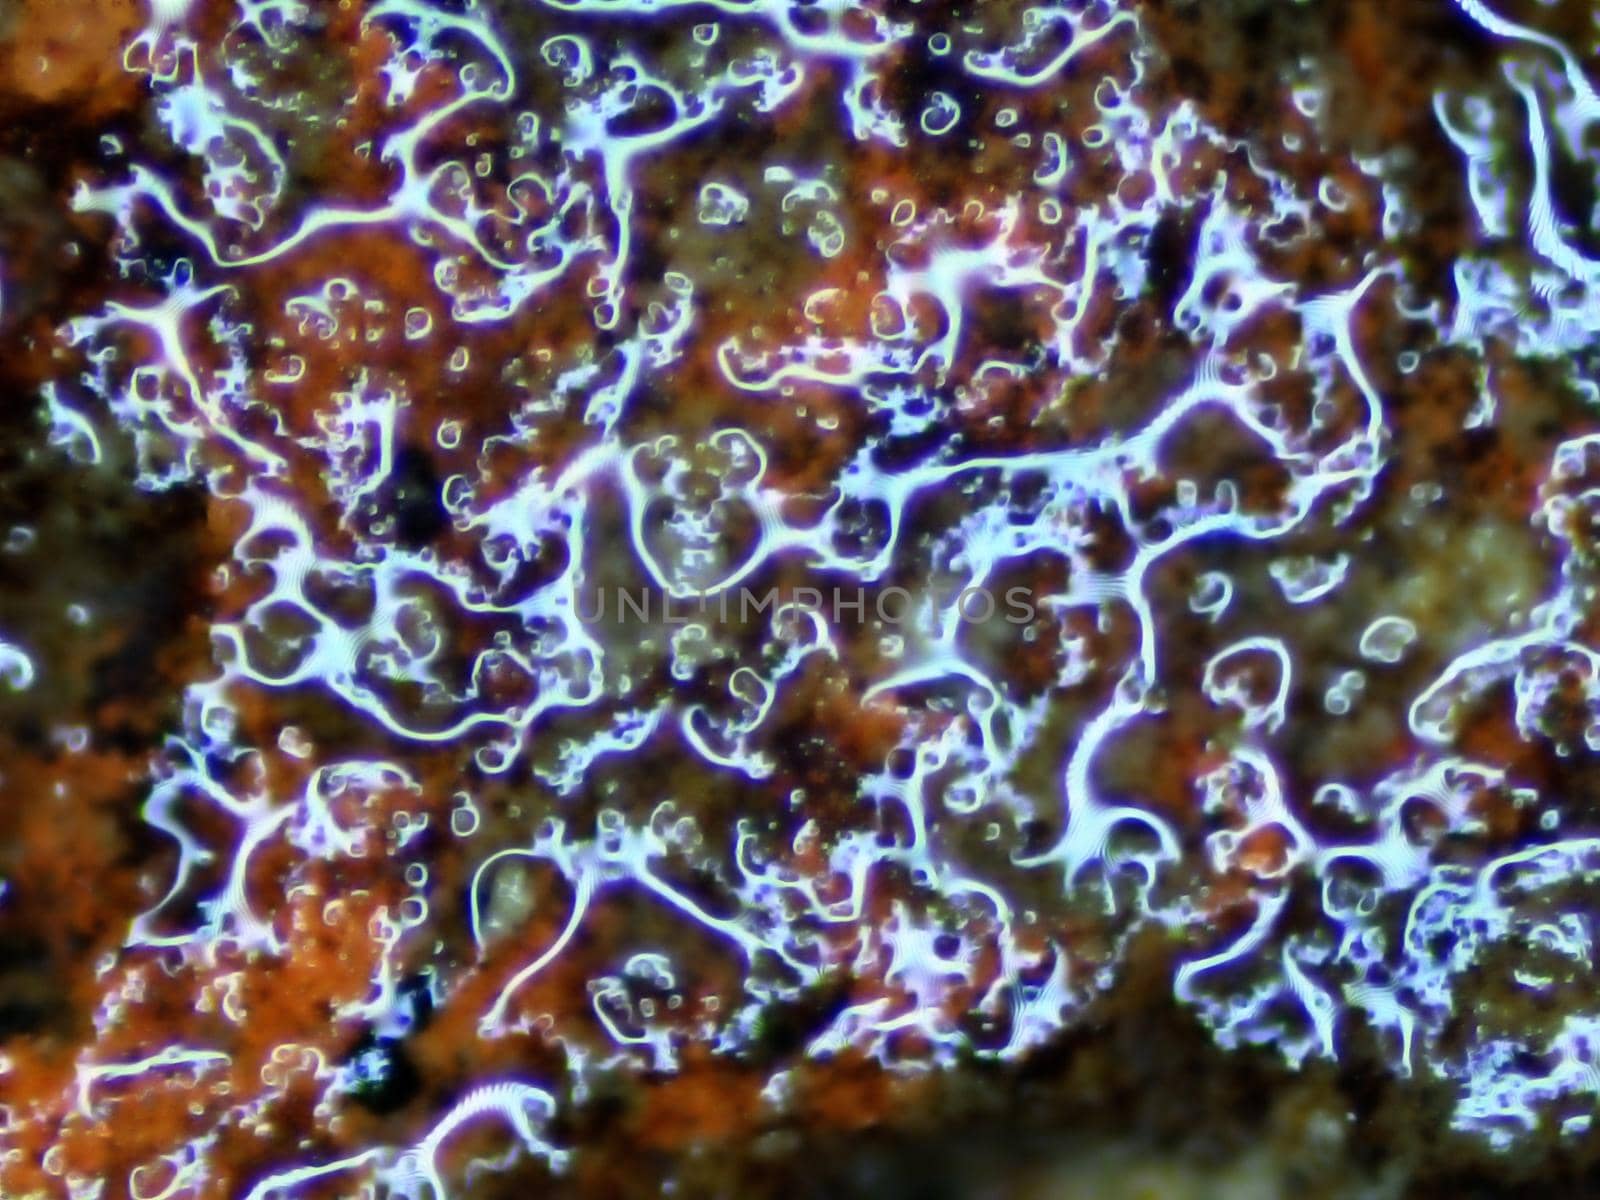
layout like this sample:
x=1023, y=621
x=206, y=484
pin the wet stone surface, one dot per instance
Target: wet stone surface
x=637, y=597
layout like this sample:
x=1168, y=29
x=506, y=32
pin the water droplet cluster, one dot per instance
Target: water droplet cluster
x=694, y=299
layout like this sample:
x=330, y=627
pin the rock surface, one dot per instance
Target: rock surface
x=626, y=597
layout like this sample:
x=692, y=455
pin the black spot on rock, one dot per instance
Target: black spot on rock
x=383, y=1077
x=412, y=495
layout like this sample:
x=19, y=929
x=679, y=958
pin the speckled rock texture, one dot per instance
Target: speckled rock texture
x=733, y=598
